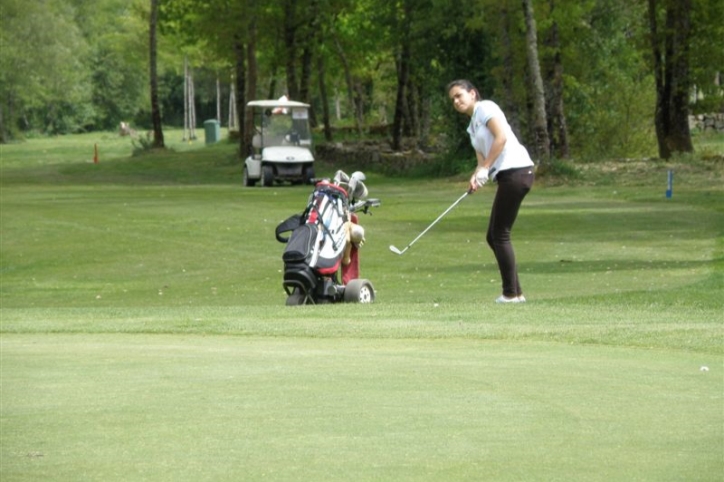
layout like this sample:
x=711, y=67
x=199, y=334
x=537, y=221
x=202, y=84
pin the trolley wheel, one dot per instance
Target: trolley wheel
x=359, y=291
x=296, y=298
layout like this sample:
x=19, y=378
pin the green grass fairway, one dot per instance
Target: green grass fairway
x=144, y=335
x=175, y=407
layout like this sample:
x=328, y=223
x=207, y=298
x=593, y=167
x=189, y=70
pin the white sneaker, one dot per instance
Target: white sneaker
x=505, y=299
x=521, y=299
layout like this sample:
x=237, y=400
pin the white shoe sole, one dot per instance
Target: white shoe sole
x=503, y=299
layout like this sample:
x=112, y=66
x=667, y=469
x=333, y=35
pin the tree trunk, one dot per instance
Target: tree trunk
x=403, y=78
x=350, y=84
x=192, y=107
x=155, y=108
x=186, y=98
x=304, y=86
x=251, y=84
x=324, y=99
x=403, y=73
x=233, y=116
x=678, y=138
x=272, y=84
x=306, y=74
x=311, y=47
x=541, y=144
x=359, y=103
x=412, y=106
x=290, y=42
x=218, y=99
x=3, y=136
x=240, y=76
x=509, y=73
x=557, y=127
x=671, y=68
x=425, y=121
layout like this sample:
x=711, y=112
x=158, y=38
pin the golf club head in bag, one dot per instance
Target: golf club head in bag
x=340, y=177
x=357, y=188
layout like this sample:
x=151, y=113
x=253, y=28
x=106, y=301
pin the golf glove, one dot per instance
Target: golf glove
x=481, y=176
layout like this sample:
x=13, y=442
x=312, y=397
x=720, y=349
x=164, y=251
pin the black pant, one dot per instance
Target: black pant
x=513, y=185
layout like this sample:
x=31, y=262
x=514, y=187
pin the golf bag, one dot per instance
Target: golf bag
x=323, y=244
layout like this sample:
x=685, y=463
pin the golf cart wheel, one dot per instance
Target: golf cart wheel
x=267, y=175
x=308, y=175
x=359, y=291
x=297, y=298
x=248, y=182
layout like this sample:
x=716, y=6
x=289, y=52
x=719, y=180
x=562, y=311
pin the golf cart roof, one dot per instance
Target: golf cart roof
x=270, y=104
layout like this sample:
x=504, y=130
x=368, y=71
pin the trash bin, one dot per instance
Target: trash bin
x=212, y=131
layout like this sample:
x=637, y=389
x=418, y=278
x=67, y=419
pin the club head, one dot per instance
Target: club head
x=360, y=191
x=395, y=250
x=340, y=177
x=357, y=189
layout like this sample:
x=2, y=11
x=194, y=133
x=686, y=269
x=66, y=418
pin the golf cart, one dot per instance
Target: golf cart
x=281, y=143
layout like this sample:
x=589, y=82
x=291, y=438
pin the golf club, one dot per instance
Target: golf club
x=398, y=251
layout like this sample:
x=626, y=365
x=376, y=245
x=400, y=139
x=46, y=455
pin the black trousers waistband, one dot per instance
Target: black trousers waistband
x=509, y=172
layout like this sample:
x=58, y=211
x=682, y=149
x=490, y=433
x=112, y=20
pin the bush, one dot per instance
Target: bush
x=142, y=144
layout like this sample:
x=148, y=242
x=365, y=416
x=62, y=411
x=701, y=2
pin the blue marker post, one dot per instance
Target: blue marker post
x=670, y=185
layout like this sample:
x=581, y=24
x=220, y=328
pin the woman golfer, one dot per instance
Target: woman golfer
x=503, y=159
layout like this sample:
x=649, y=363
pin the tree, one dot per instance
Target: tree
x=321, y=77
x=403, y=60
x=44, y=75
x=608, y=86
x=291, y=25
x=116, y=32
x=541, y=147
x=557, y=127
x=707, y=55
x=70, y=65
x=155, y=108
x=252, y=74
x=355, y=100
x=225, y=34
x=670, y=48
x=508, y=68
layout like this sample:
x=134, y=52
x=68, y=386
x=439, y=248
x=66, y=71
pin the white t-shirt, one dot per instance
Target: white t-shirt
x=514, y=154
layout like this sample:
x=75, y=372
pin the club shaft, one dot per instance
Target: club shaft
x=437, y=220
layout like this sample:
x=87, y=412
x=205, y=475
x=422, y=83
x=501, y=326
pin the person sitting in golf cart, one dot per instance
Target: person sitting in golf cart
x=281, y=129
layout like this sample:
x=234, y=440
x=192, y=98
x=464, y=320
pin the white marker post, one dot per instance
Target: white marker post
x=670, y=185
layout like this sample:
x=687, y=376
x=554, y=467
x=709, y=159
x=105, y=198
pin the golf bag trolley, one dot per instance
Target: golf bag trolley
x=321, y=259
